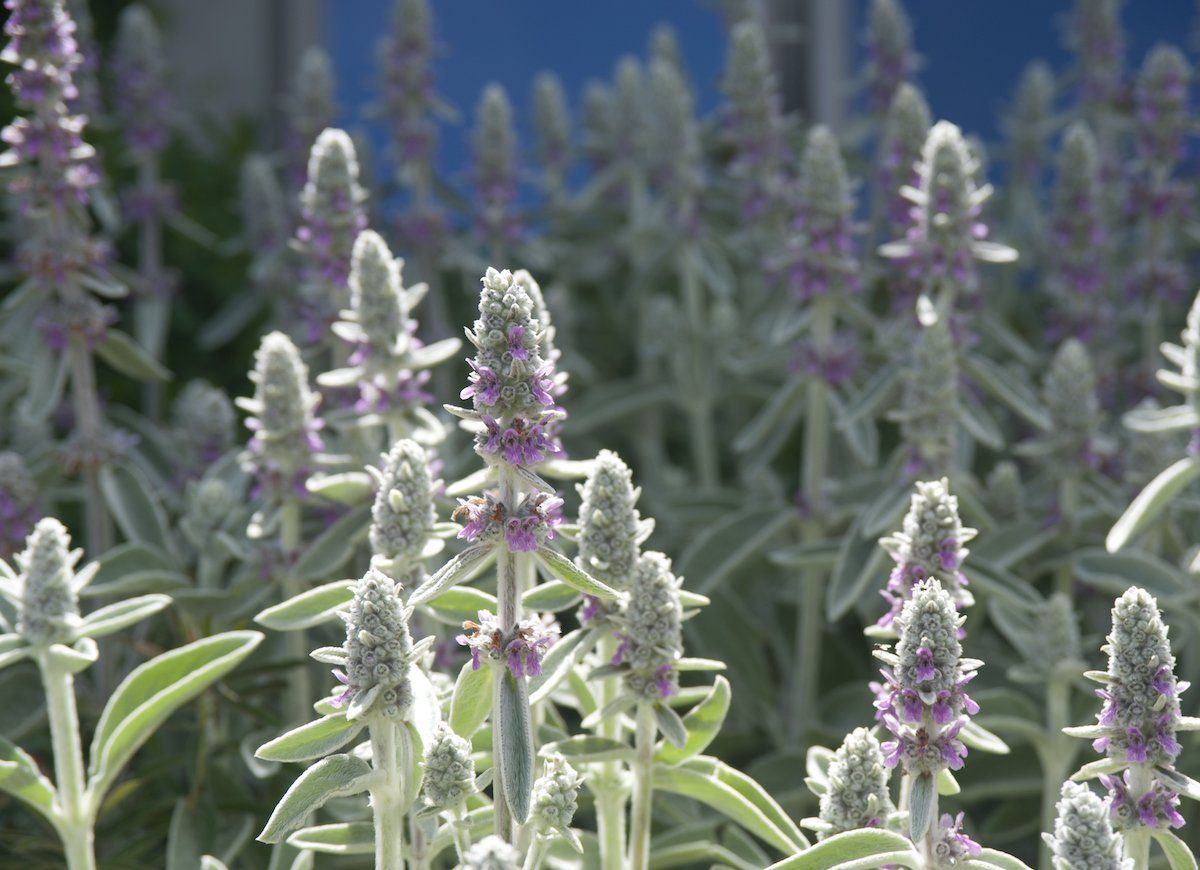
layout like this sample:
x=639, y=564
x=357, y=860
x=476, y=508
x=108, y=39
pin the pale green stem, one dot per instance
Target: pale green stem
x=508, y=607
x=1059, y=754
x=461, y=832
x=702, y=436
x=389, y=752
x=1137, y=839
x=643, y=790
x=76, y=812
x=810, y=617
x=538, y=850
x=299, y=702
x=85, y=403
x=152, y=315
x=606, y=783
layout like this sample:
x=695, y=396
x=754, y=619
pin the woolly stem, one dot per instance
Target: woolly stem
x=508, y=607
x=606, y=783
x=461, y=832
x=1137, y=838
x=536, y=854
x=76, y=820
x=810, y=616
x=1059, y=755
x=299, y=685
x=703, y=437
x=643, y=789
x=89, y=429
x=389, y=753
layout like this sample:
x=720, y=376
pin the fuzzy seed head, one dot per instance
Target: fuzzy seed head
x=651, y=629
x=609, y=522
x=332, y=189
x=1084, y=838
x=49, y=608
x=555, y=796
x=449, y=769
x=492, y=853
x=403, y=514
x=857, y=796
x=378, y=648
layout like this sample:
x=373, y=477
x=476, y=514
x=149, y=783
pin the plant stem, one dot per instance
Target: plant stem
x=1059, y=754
x=643, y=789
x=461, y=832
x=508, y=607
x=299, y=686
x=538, y=850
x=1137, y=838
x=89, y=429
x=810, y=617
x=153, y=312
x=702, y=437
x=76, y=827
x=606, y=783
x=389, y=751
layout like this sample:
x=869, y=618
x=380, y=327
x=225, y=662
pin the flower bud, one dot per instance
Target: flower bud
x=378, y=650
x=651, y=633
x=203, y=422
x=753, y=121
x=555, y=796
x=819, y=258
x=332, y=216
x=857, y=795
x=890, y=58
x=492, y=853
x=951, y=847
x=1069, y=391
x=18, y=502
x=142, y=101
x=284, y=426
x=403, y=514
x=49, y=609
x=449, y=770
x=552, y=125
x=1083, y=833
x=1141, y=694
x=609, y=522
x=264, y=214
x=376, y=294
x=1003, y=485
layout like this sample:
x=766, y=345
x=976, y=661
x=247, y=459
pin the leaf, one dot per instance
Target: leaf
x=574, y=576
x=335, y=776
x=208, y=862
x=557, y=663
x=129, y=358
x=1151, y=501
x=348, y=487
x=1093, y=769
x=21, y=778
x=152, y=692
x=1179, y=856
x=671, y=725
x=1001, y=860
x=1113, y=573
x=783, y=408
x=922, y=801
x=977, y=737
x=344, y=838
x=1002, y=384
x=947, y=785
x=134, y=507
x=331, y=549
x=849, y=848
x=589, y=748
x=311, y=740
x=859, y=560
x=309, y=608
x=454, y=571
x=115, y=617
x=471, y=701
x=702, y=723
x=550, y=597
x=1162, y=419
x=709, y=789
x=515, y=733
x=456, y=605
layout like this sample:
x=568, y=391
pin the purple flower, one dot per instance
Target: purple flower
x=484, y=385
x=521, y=651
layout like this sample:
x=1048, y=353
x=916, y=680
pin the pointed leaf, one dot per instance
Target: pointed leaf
x=922, y=801
x=343, y=838
x=702, y=723
x=331, y=549
x=311, y=740
x=456, y=570
x=882, y=847
x=574, y=576
x=309, y=608
x=134, y=506
x=472, y=700
x=152, y=692
x=512, y=723
x=129, y=358
x=671, y=725
x=1151, y=501
x=335, y=776
x=590, y=748
x=1179, y=856
x=21, y=778
x=456, y=605
x=115, y=617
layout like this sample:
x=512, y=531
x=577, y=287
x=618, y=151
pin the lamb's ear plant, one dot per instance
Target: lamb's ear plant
x=40, y=620
x=1136, y=730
